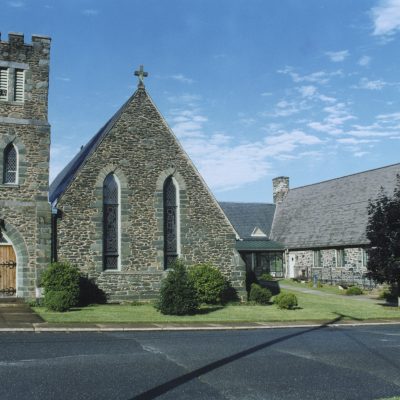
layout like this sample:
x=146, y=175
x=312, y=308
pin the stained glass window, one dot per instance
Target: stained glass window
x=10, y=164
x=170, y=223
x=110, y=222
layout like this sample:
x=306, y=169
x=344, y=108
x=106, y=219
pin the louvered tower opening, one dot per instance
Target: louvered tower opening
x=3, y=83
x=19, y=85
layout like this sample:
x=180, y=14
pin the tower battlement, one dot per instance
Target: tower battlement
x=24, y=76
x=17, y=40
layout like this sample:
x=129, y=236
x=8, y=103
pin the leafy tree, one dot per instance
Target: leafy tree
x=383, y=232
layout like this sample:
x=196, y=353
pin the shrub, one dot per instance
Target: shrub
x=388, y=294
x=266, y=277
x=286, y=301
x=61, y=277
x=209, y=283
x=250, y=279
x=177, y=295
x=259, y=294
x=58, y=300
x=354, y=291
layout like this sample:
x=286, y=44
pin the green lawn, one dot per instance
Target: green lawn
x=312, y=308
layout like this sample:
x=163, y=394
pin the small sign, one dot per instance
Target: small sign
x=3, y=92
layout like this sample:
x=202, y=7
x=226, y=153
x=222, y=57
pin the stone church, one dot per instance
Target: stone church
x=127, y=205
x=131, y=201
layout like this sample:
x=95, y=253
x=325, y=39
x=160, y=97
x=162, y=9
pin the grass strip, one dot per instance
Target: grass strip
x=311, y=308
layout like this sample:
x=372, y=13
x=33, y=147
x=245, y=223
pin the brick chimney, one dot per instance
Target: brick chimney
x=280, y=187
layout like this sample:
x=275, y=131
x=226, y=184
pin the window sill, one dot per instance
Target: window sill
x=9, y=185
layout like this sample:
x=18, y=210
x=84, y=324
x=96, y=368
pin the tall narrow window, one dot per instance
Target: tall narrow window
x=3, y=83
x=170, y=223
x=111, y=222
x=19, y=85
x=10, y=164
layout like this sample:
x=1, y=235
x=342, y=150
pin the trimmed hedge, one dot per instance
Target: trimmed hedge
x=58, y=300
x=286, y=301
x=259, y=294
x=61, y=278
x=209, y=283
x=177, y=295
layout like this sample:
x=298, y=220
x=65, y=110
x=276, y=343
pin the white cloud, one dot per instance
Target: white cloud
x=90, y=12
x=325, y=127
x=361, y=153
x=389, y=117
x=386, y=18
x=327, y=99
x=265, y=94
x=285, y=108
x=365, y=83
x=187, y=123
x=226, y=165
x=333, y=122
x=354, y=141
x=364, y=61
x=337, y=56
x=181, y=78
x=307, y=91
x=320, y=77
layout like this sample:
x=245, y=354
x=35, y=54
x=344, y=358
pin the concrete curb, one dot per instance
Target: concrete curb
x=37, y=328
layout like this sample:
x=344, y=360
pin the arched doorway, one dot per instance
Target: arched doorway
x=8, y=268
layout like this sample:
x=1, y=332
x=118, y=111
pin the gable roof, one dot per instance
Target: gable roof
x=331, y=213
x=65, y=177
x=246, y=217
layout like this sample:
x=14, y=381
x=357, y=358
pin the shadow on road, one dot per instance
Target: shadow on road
x=173, y=383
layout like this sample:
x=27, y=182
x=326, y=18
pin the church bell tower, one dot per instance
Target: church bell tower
x=24, y=163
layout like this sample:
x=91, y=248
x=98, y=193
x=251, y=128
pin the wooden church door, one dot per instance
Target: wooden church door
x=8, y=270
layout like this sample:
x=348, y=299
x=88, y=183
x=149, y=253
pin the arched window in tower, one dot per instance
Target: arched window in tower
x=171, y=220
x=111, y=222
x=10, y=167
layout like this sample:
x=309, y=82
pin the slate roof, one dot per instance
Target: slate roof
x=331, y=213
x=65, y=177
x=246, y=216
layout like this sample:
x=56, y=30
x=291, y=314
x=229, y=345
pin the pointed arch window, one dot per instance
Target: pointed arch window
x=10, y=166
x=111, y=222
x=171, y=218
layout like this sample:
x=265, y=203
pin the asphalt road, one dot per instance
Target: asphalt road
x=326, y=363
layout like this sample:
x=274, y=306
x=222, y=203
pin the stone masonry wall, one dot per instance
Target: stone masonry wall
x=352, y=270
x=24, y=206
x=142, y=152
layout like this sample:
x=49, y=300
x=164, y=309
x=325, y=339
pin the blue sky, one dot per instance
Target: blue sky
x=253, y=89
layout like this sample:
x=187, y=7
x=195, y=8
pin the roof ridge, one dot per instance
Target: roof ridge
x=345, y=176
